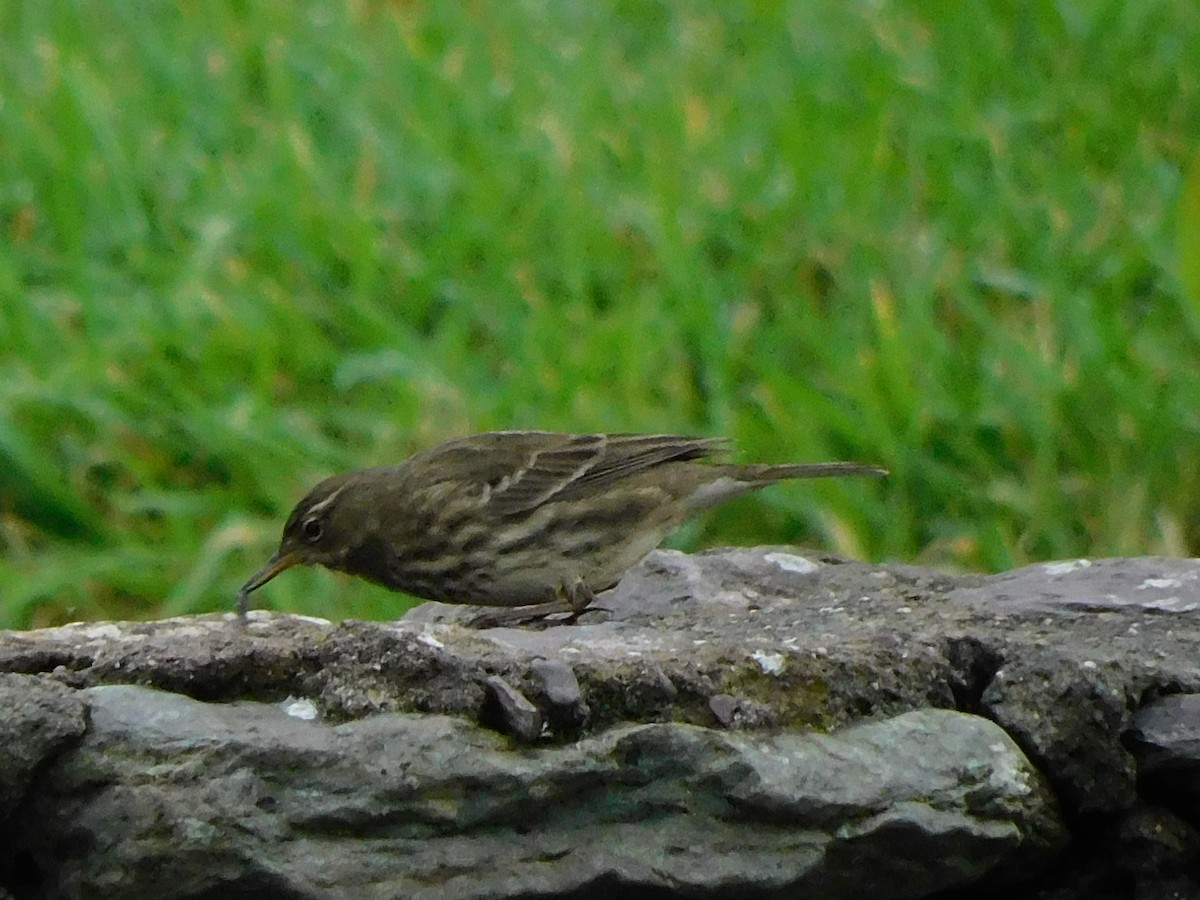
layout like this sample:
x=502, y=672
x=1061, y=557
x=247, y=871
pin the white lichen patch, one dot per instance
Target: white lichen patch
x=1008, y=775
x=301, y=709
x=1160, y=584
x=427, y=638
x=789, y=562
x=266, y=616
x=104, y=631
x=1066, y=567
x=311, y=620
x=770, y=663
x=1174, y=604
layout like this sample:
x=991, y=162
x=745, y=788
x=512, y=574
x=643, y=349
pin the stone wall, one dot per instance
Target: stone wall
x=740, y=723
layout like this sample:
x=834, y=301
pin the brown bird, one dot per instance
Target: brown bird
x=515, y=518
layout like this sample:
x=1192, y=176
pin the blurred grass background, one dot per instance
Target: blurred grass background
x=248, y=245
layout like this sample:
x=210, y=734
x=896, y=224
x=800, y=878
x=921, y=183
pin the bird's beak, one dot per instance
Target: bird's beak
x=276, y=564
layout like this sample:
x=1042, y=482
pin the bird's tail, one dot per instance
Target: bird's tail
x=758, y=475
x=735, y=480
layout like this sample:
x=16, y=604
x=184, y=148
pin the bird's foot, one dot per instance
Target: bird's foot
x=574, y=599
x=517, y=615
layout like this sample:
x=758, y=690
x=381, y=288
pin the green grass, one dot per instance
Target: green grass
x=247, y=245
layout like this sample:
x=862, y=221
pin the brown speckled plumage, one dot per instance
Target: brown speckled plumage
x=514, y=518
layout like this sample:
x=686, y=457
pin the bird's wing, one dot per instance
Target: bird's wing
x=524, y=469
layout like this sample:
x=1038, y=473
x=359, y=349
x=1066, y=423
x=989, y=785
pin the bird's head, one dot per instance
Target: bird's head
x=320, y=531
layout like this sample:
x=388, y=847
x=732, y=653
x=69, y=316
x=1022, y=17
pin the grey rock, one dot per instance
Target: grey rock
x=724, y=707
x=1166, y=736
x=1070, y=721
x=555, y=684
x=1165, y=740
x=39, y=718
x=511, y=711
x=173, y=798
x=1093, y=585
x=738, y=712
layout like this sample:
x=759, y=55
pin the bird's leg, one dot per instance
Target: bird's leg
x=580, y=597
x=573, y=599
x=517, y=615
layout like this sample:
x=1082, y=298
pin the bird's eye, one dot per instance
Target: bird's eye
x=311, y=529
